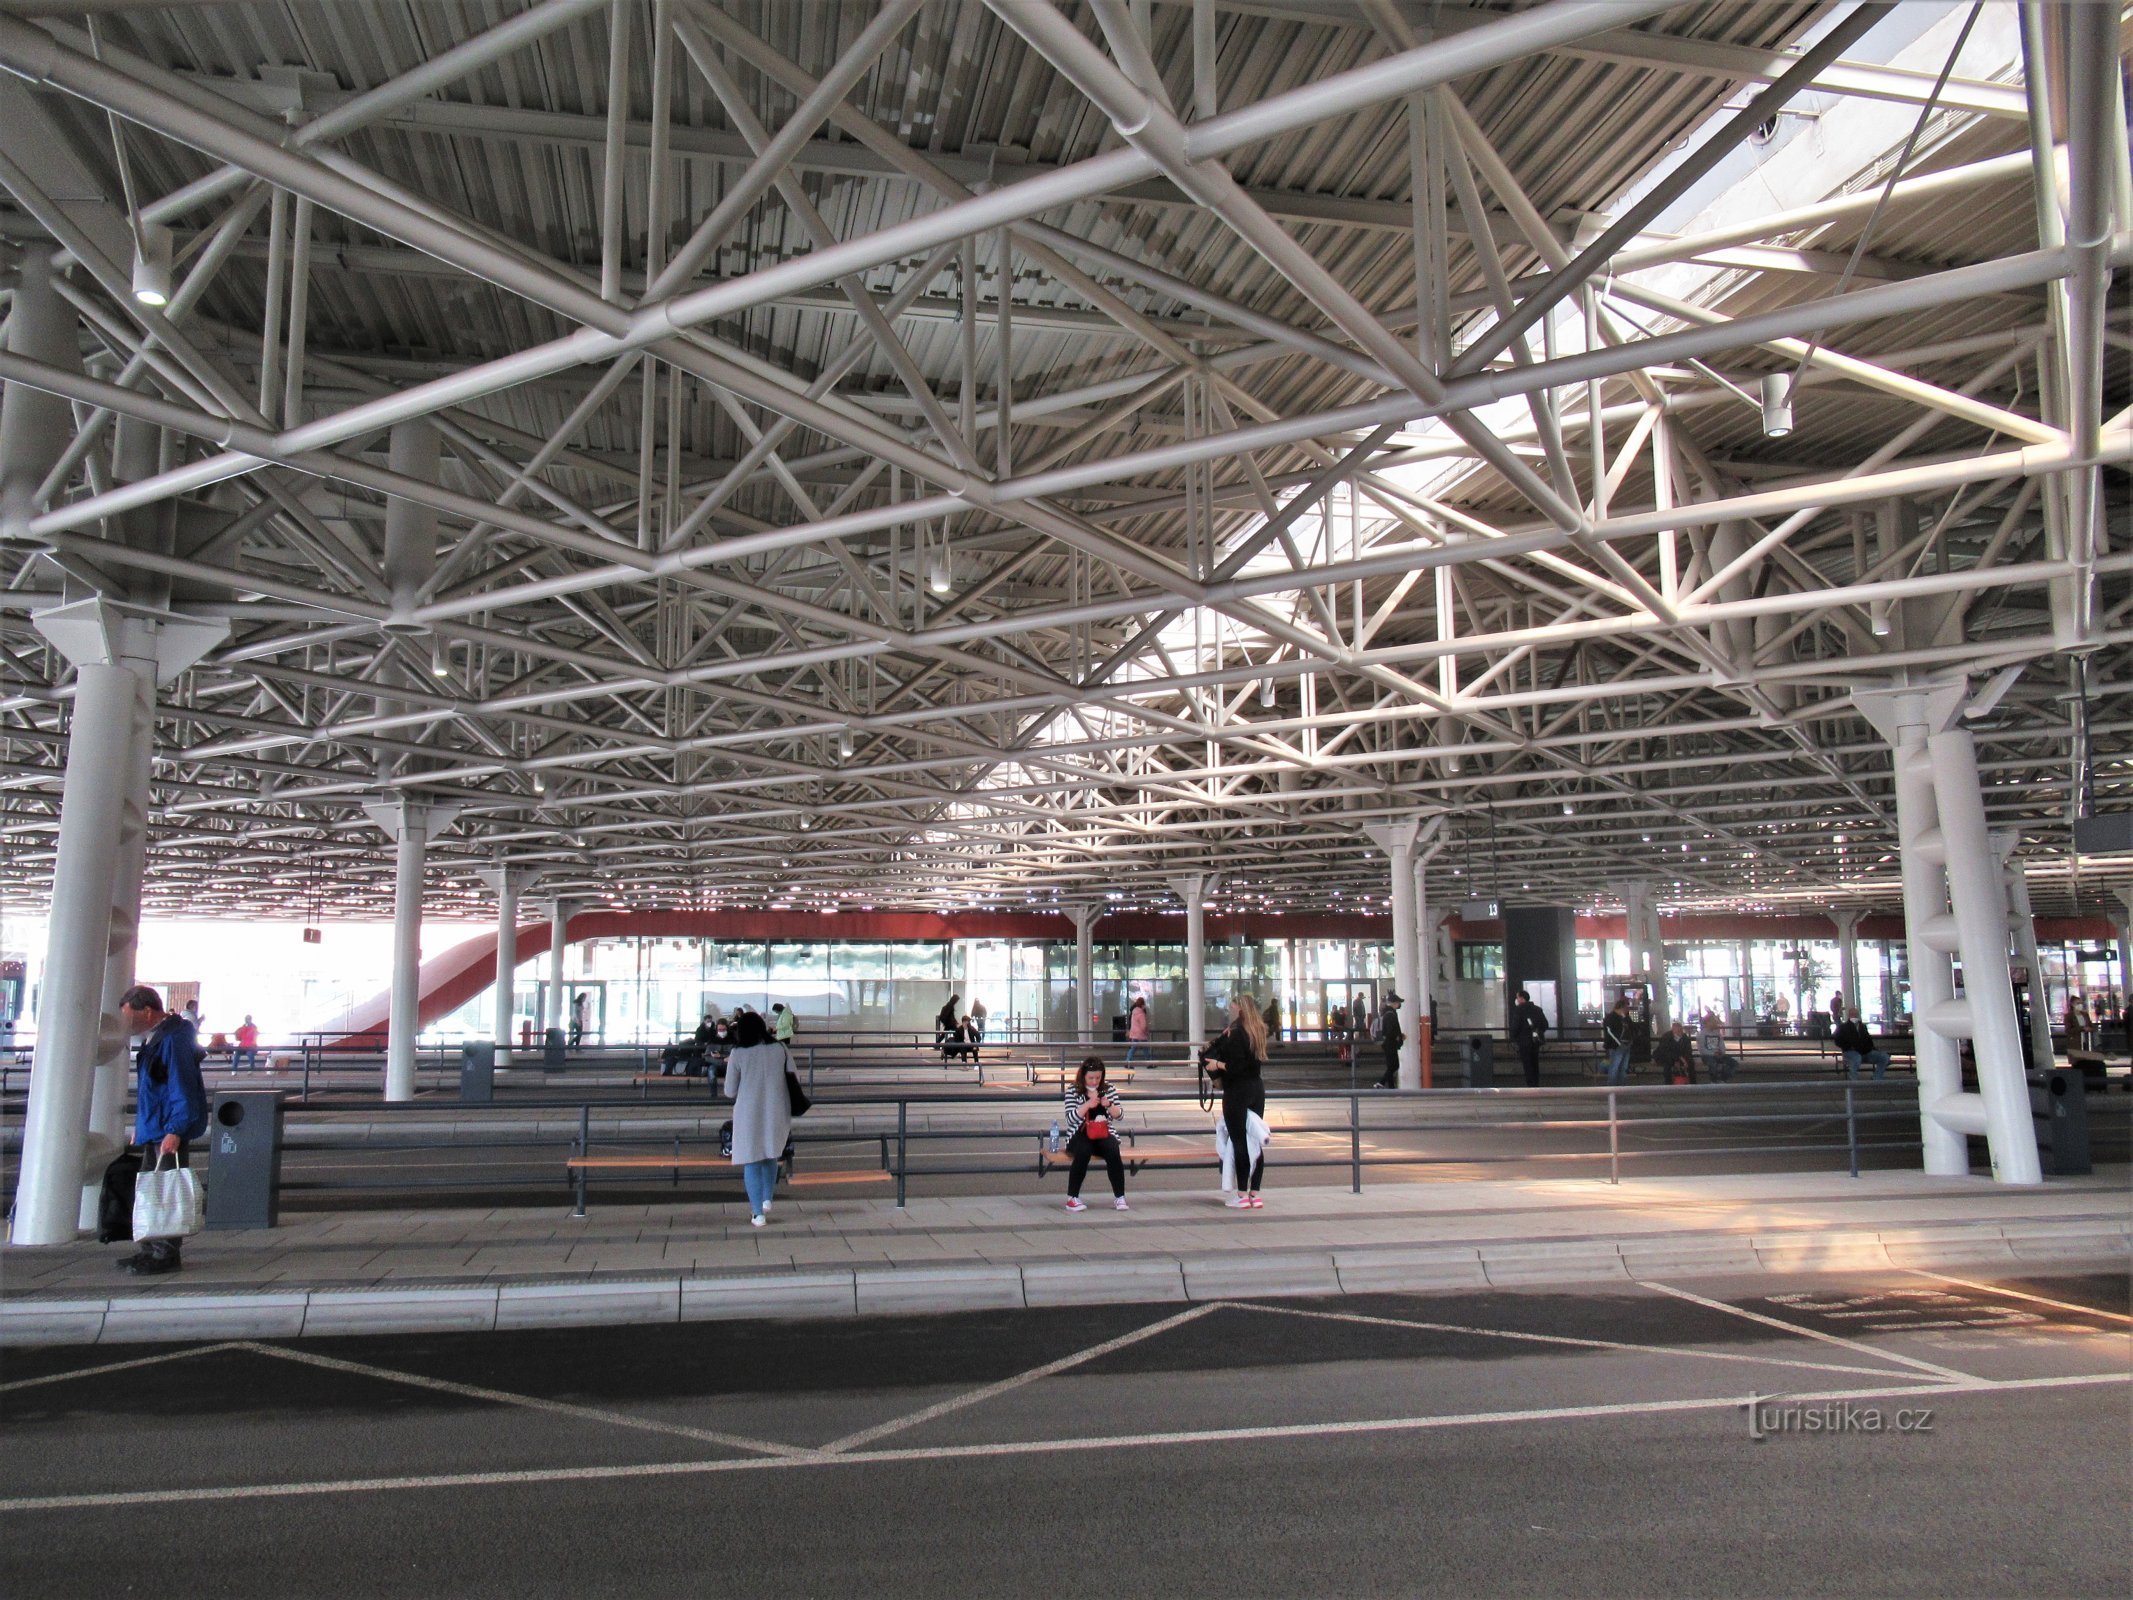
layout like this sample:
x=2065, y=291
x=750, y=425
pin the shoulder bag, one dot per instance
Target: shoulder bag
x=795, y=1096
x=167, y=1201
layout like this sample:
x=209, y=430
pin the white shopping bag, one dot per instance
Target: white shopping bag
x=167, y=1202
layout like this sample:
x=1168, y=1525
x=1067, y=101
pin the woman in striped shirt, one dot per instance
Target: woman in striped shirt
x=1091, y=1109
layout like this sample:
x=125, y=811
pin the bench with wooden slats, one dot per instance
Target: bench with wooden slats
x=678, y=1162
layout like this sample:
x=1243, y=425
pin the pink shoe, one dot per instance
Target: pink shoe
x=1254, y=1202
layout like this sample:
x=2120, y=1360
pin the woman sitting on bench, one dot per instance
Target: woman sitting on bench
x=1091, y=1109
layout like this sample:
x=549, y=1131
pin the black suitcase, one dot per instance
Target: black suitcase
x=114, y=1205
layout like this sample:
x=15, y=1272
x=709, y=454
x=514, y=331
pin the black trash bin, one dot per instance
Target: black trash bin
x=1480, y=1061
x=2059, y=1102
x=244, y=1167
x=1118, y=1030
x=477, y=1072
x=557, y=1048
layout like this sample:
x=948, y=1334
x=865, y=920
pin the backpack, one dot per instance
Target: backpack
x=114, y=1201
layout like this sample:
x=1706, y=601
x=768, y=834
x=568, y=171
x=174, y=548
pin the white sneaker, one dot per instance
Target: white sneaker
x=756, y=1221
x=1237, y=1202
x=766, y=1208
x=1120, y=1204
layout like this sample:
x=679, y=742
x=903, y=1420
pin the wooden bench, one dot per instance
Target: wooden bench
x=677, y=1163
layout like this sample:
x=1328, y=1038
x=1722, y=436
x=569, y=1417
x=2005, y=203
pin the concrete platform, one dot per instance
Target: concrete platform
x=473, y=1269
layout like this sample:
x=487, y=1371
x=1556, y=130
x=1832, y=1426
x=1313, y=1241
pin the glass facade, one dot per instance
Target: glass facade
x=652, y=989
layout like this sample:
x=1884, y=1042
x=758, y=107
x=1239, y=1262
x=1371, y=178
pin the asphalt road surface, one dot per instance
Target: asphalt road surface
x=1919, y=1434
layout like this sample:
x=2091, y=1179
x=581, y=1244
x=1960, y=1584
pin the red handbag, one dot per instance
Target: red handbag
x=1097, y=1126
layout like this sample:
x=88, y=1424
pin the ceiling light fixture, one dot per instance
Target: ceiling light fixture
x=151, y=265
x=1777, y=404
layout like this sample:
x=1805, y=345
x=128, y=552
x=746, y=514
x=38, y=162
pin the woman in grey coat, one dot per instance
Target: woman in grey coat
x=762, y=1110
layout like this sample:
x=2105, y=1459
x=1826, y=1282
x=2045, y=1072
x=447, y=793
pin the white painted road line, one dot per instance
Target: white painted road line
x=2018, y=1294
x=618, y=1419
x=118, y=1366
x=992, y=1390
x=1854, y=1345
x=1588, y=1344
x=1031, y=1447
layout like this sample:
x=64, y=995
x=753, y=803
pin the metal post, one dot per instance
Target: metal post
x=1614, y=1142
x=558, y=937
x=507, y=888
x=404, y=1017
x=1193, y=888
x=1851, y=1127
x=1355, y=1143
x=903, y=1109
x=1974, y=888
x=56, y=1121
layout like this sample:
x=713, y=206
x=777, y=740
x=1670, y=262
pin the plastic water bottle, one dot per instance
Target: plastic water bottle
x=1054, y=1141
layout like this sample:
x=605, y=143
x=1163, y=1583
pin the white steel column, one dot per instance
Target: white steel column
x=34, y=426
x=1975, y=888
x=55, y=1125
x=120, y=653
x=1932, y=769
x=553, y=1013
x=1193, y=888
x=1397, y=840
x=1847, y=921
x=413, y=824
x=509, y=883
x=1085, y=913
x=2022, y=923
x=108, y=1130
x=1647, y=949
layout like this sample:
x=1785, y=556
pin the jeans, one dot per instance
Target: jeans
x=1137, y=1050
x=761, y=1179
x=1878, y=1058
x=1618, y=1063
x=1720, y=1065
x=1081, y=1147
x=240, y=1058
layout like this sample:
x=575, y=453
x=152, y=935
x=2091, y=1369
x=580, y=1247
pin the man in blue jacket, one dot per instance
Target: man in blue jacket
x=171, y=1103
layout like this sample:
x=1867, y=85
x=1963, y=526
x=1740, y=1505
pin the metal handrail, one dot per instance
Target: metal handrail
x=1617, y=1109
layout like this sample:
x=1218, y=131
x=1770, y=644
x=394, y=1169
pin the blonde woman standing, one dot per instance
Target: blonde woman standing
x=1236, y=1060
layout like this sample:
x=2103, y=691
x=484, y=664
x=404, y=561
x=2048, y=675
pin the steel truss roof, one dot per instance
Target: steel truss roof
x=933, y=453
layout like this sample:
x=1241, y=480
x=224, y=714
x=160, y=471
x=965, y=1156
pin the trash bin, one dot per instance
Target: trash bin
x=244, y=1166
x=2059, y=1102
x=557, y=1048
x=477, y=1072
x=1481, y=1061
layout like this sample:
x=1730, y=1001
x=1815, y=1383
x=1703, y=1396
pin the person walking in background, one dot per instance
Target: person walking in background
x=1092, y=1112
x=1273, y=1020
x=1337, y=1027
x=246, y=1051
x=1236, y=1061
x=581, y=1005
x=783, y=1023
x=1857, y=1044
x=1137, y=1031
x=978, y=1014
x=762, y=1111
x=1529, y=1025
x=170, y=1104
x=1619, y=1026
x=1391, y=1035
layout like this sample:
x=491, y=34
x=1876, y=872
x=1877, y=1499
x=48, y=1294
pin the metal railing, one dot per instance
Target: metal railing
x=1615, y=1125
